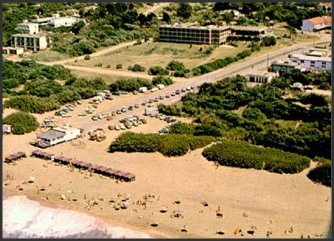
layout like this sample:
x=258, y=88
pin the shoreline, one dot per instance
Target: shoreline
x=103, y=221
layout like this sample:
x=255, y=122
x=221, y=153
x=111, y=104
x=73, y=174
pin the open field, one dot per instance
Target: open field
x=157, y=53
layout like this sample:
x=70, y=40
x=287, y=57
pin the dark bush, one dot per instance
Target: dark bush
x=21, y=122
x=322, y=172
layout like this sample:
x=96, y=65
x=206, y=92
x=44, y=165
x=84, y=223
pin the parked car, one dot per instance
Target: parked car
x=136, y=106
x=111, y=127
x=130, y=107
x=113, y=113
x=94, y=118
x=118, y=112
x=177, y=92
x=167, y=96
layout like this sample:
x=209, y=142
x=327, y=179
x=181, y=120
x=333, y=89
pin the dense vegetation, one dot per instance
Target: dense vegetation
x=21, y=122
x=259, y=115
x=168, y=145
x=41, y=92
x=322, y=172
x=244, y=155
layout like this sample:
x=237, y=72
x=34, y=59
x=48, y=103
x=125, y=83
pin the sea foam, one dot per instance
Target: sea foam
x=25, y=218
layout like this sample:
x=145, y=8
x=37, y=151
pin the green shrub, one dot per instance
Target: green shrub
x=162, y=80
x=244, y=155
x=21, y=122
x=322, y=172
x=158, y=70
x=119, y=66
x=87, y=57
x=136, y=68
x=168, y=145
x=175, y=65
x=129, y=84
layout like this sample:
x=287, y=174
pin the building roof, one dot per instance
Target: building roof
x=249, y=28
x=265, y=74
x=311, y=58
x=51, y=134
x=194, y=26
x=65, y=129
x=321, y=20
x=29, y=35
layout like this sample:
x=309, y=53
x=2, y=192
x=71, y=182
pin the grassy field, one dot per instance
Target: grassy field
x=48, y=55
x=151, y=54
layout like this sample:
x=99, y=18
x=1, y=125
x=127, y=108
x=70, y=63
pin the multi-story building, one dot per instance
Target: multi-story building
x=29, y=28
x=312, y=62
x=317, y=24
x=248, y=33
x=34, y=42
x=194, y=34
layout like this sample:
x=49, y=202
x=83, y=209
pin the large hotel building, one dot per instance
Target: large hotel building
x=194, y=34
x=209, y=35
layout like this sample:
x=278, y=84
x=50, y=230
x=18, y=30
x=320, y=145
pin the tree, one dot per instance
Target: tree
x=77, y=26
x=165, y=17
x=220, y=6
x=21, y=122
x=184, y=10
x=175, y=65
x=228, y=17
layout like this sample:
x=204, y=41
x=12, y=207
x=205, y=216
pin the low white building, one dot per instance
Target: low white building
x=58, y=135
x=258, y=77
x=312, y=62
x=317, y=24
x=67, y=21
x=160, y=86
x=30, y=28
x=12, y=50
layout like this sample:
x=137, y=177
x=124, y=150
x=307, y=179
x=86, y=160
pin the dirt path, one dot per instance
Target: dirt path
x=155, y=8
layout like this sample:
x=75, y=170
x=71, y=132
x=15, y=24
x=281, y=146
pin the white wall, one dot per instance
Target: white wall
x=307, y=26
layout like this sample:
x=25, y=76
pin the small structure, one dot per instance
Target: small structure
x=249, y=33
x=317, y=24
x=160, y=86
x=151, y=111
x=13, y=50
x=6, y=129
x=258, y=77
x=15, y=156
x=58, y=135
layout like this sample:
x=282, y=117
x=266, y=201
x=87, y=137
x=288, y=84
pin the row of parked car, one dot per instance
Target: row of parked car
x=128, y=123
x=65, y=112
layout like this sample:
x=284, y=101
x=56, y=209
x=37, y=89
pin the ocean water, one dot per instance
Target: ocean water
x=25, y=218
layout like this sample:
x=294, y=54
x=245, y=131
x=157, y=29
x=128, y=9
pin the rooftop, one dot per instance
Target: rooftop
x=51, y=134
x=29, y=35
x=321, y=20
x=311, y=58
x=195, y=26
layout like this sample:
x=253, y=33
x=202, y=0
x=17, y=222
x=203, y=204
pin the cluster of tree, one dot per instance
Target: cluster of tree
x=178, y=67
x=168, y=145
x=21, y=122
x=41, y=92
x=130, y=84
x=196, y=130
x=268, y=41
x=157, y=70
x=291, y=12
x=322, y=172
x=17, y=73
x=33, y=104
x=214, y=111
x=244, y=155
x=137, y=68
x=322, y=79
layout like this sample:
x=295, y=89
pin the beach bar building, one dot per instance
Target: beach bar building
x=58, y=135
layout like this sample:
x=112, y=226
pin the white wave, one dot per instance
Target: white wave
x=25, y=218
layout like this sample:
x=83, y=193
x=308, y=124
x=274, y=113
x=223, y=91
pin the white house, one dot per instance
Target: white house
x=30, y=28
x=317, y=24
x=261, y=77
x=12, y=50
x=58, y=135
x=312, y=62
